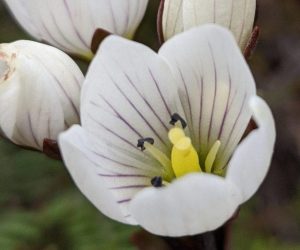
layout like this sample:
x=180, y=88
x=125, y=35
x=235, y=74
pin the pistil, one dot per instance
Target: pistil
x=184, y=156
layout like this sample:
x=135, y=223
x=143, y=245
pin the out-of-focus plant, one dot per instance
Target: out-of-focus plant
x=39, y=92
x=70, y=25
x=191, y=175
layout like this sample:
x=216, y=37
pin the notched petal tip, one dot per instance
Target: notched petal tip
x=98, y=37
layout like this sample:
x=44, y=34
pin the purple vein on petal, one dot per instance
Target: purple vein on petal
x=124, y=201
x=136, y=109
x=112, y=132
x=159, y=91
x=60, y=86
x=215, y=91
x=130, y=81
x=235, y=123
x=227, y=104
x=74, y=26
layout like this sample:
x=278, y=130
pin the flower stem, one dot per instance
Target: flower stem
x=214, y=240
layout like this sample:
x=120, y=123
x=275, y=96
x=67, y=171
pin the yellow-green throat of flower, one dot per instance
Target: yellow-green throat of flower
x=184, y=158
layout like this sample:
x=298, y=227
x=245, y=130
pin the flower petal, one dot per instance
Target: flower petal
x=121, y=173
x=19, y=9
x=40, y=93
x=236, y=15
x=129, y=94
x=172, y=18
x=70, y=25
x=215, y=84
x=79, y=159
x=251, y=160
x=193, y=204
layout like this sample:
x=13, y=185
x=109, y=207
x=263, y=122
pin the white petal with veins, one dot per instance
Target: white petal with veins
x=40, y=93
x=251, y=160
x=215, y=84
x=193, y=204
x=172, y=18
x=236, y=15
x=82, y=164
x=70, y=24
x=129, y=94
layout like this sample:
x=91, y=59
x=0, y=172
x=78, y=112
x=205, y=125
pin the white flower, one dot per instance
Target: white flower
x=199, y=79
x=70, y=24
x=39, y=92
x=236, y=15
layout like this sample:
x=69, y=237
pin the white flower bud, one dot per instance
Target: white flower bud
x=71, y=24
x=39, y=92
x=236, y=15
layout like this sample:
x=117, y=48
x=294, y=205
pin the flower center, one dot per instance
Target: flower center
x=184, y=157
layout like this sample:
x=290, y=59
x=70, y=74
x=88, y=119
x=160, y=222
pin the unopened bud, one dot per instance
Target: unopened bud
x=236, y=15
x=70, y=25
x=39, y=92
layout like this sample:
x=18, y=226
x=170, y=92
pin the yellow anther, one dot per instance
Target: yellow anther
x=211, y=156
x=175, y=134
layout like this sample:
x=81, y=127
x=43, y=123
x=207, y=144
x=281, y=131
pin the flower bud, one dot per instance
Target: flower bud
x=236, y=15
x=39, y=92
x=71, y=24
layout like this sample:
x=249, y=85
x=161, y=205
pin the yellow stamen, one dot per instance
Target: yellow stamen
x=184, y=157
x=211, y=156
x=161, y=158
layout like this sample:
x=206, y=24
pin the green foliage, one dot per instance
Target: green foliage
x=66, y=222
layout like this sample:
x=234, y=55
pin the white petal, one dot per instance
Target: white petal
x=172, y=18
x=236, y=15
x=19, y=9
x=70, y=25
x=121, y=173
x=40, y=96
x=78, y=157
x=251, y=160
x=128, y=94
x=193, y=204
x=215, y=84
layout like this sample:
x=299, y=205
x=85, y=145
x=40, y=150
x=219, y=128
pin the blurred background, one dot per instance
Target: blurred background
x=40, y=208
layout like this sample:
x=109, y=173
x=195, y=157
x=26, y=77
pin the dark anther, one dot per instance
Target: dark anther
x=142, y=141
x=175, y=118
x=157, y=181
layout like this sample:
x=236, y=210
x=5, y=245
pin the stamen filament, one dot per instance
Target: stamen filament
x=211, y=156
x=161, y=158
